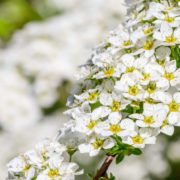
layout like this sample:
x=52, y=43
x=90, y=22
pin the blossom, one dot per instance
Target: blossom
x=46, y=161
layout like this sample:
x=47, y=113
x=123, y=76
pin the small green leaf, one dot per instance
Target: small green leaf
x=136, y=151
x=119, y=158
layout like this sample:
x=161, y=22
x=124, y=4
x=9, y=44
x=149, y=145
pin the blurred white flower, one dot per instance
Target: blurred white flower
x=18, y=107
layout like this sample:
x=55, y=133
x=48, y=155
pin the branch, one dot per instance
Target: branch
x=102, y=171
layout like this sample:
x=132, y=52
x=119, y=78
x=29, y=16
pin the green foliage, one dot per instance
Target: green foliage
x=120, y=150
x=175, y=54
x=134, y=109
x=13, y=15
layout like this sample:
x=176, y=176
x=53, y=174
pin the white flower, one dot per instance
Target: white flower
x=172, y=105
x=130, y=88
x=114, y=101
x=167, y=35
x=139, y=140
x=95, y=145
x=152, y=116
x=115, y=125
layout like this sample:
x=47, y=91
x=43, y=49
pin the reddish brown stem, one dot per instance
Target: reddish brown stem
x=102, y=171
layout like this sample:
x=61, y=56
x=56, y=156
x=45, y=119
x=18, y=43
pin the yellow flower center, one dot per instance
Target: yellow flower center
x=174, y=107
x=149, y=120
x=146, y=76
x=169, y=19
x=138, y=140
x=53, y=173
x=127, y=43
x=92, y=96
x=114, y=128
x=169, y=76
x=161, y=62
x=98, y=144
x=133, y=90
x=148, y=45
x=165, y=123
x=150, y=101
x=130, y=69
x=91, y=125
x=115, y=106
x=109, y=72
x=171, y=39
x=148, y=31
x=151, y=87
x=26, y=168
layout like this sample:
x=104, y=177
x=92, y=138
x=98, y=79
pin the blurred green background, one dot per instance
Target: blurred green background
x=14, y=14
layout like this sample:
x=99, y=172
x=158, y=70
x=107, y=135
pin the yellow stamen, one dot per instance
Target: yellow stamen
x=171, y=39
x=98, y=144
x=148, y=45
x=138, y=140
x=165, y=123
x=149, y=120
x=91, y=125
x=92, y=96
x=169, y=76
x=109, y=72
x=169, y=19
x=53, y=173
x=133, y=90
x=127, y=43
x=146, y=76
x=151, y=87
x=130, y=69
x=174, y=107
x=114, y=128
x=148, y=31
x=115, y=106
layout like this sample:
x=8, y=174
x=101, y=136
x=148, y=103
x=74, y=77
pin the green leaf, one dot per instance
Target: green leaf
x=95, y=105
x=136, y=151
x=119, y=158
x=175, y=55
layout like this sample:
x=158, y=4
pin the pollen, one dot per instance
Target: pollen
x=92, y=96
x=53, y=173
x=171, y=39
x=149, y=120
x=169, y=76
x=133, y=90
x=98, y=144
x=151, y=87
x=174, y=107
x=127, y=43
x=115, y=106
x=109, y=72
x=148, y=31
x=130, y=69
x=115, y=128
x=148, y=45
x=138, y=140
x=91, y=125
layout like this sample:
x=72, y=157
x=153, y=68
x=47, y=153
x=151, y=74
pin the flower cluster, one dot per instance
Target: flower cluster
x=45, y=162
x=130, y=86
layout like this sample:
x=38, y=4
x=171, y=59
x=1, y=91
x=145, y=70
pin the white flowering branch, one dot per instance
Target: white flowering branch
x=128, y=95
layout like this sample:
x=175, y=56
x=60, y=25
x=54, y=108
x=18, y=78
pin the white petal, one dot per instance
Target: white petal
x=169, y=130
x=128, y=124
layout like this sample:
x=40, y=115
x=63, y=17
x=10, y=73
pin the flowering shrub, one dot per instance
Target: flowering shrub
x=129, y=90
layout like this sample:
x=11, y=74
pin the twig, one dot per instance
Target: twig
x=102, y=171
